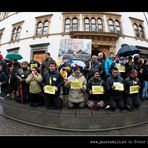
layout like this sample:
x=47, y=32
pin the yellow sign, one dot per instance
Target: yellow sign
x=49, y=89
x=76, y=84
x=121, y=68
x=33, y=65
x=118, y=86
x=97, y=90
x=134, y=89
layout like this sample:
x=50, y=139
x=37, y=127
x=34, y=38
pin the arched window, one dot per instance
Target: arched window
x=111, y=25
x=87, y=23
x=141, y=31
x=117, y=26
x=93, y=24
x=136, y=30
x=75, y=24
x=39, y=28
x=14, y=32
x=67, y=25
x=45, y=27
x=100, y=27
x=18, y=33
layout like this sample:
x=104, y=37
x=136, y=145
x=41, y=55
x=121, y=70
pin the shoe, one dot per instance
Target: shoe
x=128, y=107
x=107, y=107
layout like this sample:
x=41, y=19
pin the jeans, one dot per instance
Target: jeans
x=145, y=89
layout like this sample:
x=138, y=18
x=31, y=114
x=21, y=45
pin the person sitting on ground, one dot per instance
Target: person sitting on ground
x=96, y=99
x=76, y=83
x=115, y=88
x=52, y=81
x=132, y=85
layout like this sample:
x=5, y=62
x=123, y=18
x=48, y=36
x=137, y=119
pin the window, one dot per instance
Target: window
x=45, y=27
x=136, y=30
x=18, y=33
x=1, y=34
x=93, y=24
x=141, y=31
x=117, y=26
x=14, y=31
x=13, y=50
x=39, y=28
x=111, y=25
x=75, y=24
x=42, y=25
x=67, y=25
x=100, y=27
x=87, y=24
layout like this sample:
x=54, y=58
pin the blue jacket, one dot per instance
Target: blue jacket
x=107, y=65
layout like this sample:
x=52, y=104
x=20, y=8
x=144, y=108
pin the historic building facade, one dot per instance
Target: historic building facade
x=33, y=33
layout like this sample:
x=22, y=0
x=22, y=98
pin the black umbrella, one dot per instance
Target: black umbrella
x=127, y=50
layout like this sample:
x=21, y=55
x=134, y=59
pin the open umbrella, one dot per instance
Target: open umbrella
x=127, y=50
x=78, y=63
x=14, y=56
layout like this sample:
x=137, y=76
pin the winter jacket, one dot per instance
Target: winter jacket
x=145, y=72
x=95, y=82
x=45, y=66
x=76, y=95
x=52, y=78
x=109, y=83
x=107, y=65
x=34, y=83
x=95, y=66
x=129, y=82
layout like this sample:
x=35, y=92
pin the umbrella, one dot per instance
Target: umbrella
x=127, y=50
x=7, y=60
x=78, y=63
x=14, y=56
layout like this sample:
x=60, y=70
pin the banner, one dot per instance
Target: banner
x=78, y=49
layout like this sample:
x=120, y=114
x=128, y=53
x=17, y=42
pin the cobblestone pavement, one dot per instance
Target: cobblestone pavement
x=70, y=122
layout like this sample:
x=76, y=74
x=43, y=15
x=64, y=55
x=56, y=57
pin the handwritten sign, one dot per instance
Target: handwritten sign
x=33, y=65
x=121, y=68
x=76, y=84
x=49, y=89
x=97, y=89
x=118, y=86
x=134, y=89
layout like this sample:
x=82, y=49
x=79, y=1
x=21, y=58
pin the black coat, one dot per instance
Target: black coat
x=56, y=79
x=145, y=73
x=109, y=83
x=95, y=82
x=11, y=82
x=128, y=83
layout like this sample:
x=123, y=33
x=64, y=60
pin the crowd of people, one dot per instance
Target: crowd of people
x=107, y=83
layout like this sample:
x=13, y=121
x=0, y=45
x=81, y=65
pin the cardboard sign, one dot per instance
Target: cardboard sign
x=134, y=89
x=49, y=89
x=118, y=86
x=121, y=68
x=97, y=90
x=33, y=65
x=76, y=84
